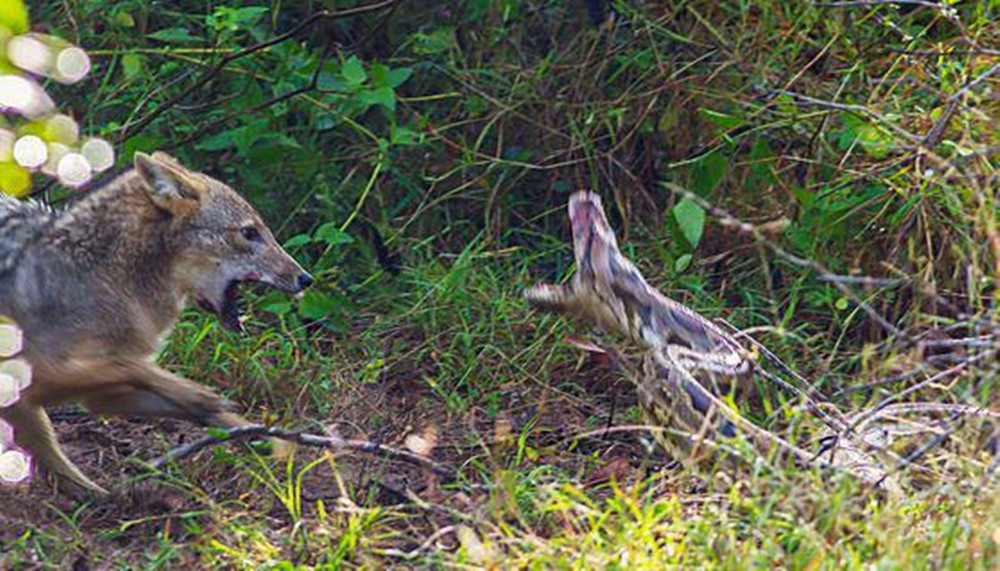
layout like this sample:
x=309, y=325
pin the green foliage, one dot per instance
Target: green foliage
x=418, y=158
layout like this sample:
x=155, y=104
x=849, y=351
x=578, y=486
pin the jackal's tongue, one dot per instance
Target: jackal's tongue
x=229, y=313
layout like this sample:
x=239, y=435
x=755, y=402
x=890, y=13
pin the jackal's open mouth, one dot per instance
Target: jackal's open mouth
x=229, y=309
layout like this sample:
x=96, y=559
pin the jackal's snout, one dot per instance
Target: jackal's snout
x=284, y=273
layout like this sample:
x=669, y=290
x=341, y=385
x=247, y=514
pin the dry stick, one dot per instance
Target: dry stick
x=334, y=443
x=870, y=415
x=870, y=3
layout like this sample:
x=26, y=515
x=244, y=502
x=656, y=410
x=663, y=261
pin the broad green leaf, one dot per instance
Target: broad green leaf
x=727, y=122
x=131, y=65
x=691, y=220
x=353, y=72
x=218, y=141
x=332, y=234
x=682, y=263
x=441, y=39
x=379, y=73
x=707, y=172
x=174, y=35
x=398, y=76
x=315, y=304
x=123, y=18
x=383, y=96
x=244, y=17
x=14, y=16
x=404, y=136
x=219, y=433
x=276, y=302
x=141, y=142
x=297, y=240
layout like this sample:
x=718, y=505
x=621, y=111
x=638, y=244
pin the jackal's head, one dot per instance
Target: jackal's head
x=216, y=238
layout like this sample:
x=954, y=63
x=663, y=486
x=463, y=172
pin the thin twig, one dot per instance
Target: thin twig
x=130, y=129
x=332, y=442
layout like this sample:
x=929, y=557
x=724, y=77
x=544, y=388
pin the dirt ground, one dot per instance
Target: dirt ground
x=144, y=505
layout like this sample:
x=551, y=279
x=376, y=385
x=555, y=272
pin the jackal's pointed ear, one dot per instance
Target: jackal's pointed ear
x=171, y=187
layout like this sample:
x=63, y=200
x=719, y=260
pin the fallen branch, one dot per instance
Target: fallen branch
x=333, y=442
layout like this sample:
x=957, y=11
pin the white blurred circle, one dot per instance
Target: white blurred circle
x=99, y=153
x=56, y=152
x=11, y=340
x=30, y=54
x=30, y=152
x=72, y=65
x=19, y=370
x=15, y=466
x=73, y=170
x=24, y=96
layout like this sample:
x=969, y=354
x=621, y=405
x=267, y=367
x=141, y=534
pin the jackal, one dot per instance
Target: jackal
x=97, y=286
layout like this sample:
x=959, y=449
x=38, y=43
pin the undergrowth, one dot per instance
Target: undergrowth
x=418, y=158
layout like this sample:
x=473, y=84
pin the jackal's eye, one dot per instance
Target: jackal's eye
x=250, y=233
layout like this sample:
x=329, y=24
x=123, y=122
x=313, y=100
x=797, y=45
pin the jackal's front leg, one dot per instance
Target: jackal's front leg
x=148, y=390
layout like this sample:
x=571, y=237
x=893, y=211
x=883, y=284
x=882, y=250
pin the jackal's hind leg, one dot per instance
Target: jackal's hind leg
x=33, y=431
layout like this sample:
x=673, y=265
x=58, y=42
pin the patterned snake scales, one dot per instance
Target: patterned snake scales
x=683, y=352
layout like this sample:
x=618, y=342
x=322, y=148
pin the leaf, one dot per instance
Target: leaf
x=141, y=142
x=276, y=302
x=332, y=234
x=14, y=16
x=246, y=16
x=398, y=76
x=379, y=74
x=727, y=122
x=707, y=172
x=296, y=241
x=353, y=72
x=315, y=304
x=383, y=96
x=131, y=65
x=174, y=35
x=682, y=263
x=691, y=219
x=218, y=433
x=404, y=136
x=440, y=40
x=761, y=165
x=218, y=141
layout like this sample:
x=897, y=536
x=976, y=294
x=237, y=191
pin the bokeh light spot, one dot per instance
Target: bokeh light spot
x=74, y=170
x=100, y=154
x=30, y=152
x=72, y=65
